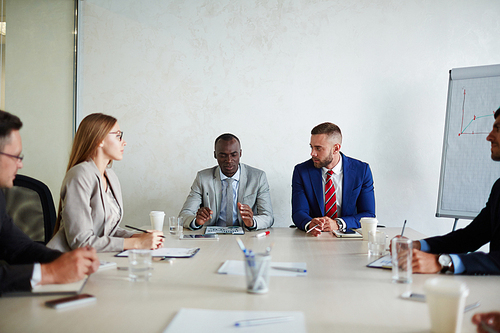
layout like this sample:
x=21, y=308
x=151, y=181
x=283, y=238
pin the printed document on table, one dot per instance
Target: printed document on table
x=237, y=267
x=384, y=262
x=222, y=321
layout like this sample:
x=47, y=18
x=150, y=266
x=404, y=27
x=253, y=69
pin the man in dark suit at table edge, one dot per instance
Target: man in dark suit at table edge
x=250, y=198
x=23, y=262
x=344, y=183
x=451, y=252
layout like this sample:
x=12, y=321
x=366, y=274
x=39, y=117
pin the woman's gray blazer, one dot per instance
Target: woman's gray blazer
x=84, y=210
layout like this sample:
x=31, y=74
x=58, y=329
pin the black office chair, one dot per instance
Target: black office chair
x=30, y=204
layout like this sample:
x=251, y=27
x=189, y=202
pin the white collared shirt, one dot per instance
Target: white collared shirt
x=236, y=186
x=337, y=178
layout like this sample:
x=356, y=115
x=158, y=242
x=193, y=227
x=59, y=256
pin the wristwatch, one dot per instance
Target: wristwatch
x=340, y=225
x=445, y=262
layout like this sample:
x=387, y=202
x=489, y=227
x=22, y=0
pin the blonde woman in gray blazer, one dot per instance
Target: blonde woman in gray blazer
x=91, y=206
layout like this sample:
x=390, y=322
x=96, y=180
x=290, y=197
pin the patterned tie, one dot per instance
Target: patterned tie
x=330, y=196
x=229, y=202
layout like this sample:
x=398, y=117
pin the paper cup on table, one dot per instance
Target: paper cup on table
x=368, y=224
x=446, y=302
x=257, y=273
x=157, y=218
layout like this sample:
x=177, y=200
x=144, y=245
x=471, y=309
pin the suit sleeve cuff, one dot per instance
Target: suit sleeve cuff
x=193, y=225
x=36, y=276
x=254, y=225
x=306, y=227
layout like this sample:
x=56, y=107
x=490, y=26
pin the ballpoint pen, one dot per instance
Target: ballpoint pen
x=403, y=230
x=262, y=321
x=290, y=269
x=315, y=227
x=242, y=246
x=141, y=230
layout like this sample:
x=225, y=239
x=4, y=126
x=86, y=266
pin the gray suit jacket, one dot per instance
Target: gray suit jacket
x=83, y=214
x=253, y=190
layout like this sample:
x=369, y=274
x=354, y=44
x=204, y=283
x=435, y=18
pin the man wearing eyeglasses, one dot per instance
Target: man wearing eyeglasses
x=23, y=262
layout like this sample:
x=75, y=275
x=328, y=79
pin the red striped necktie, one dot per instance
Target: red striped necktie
x=330, y=196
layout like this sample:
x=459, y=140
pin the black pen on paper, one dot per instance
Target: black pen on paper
x=403, y=231
x=141, y=230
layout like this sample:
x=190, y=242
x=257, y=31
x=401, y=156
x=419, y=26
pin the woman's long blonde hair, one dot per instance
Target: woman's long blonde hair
x=92, y=131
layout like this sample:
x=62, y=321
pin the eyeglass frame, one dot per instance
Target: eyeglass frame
x=19, y=157
x=121, y=134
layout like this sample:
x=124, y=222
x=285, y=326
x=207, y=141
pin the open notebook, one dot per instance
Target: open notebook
x=52, y=289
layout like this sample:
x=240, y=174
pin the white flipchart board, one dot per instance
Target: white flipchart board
x=467, y=170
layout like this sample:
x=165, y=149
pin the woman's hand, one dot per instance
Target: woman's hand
x=151, y=240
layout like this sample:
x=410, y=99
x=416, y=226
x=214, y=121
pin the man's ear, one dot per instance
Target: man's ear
x=215, y=156
x=336, y=147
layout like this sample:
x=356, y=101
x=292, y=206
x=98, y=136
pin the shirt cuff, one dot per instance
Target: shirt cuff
x=254, y=225
x=424, y=246
x=36, y=277
x=193, y=225
x=458, y=266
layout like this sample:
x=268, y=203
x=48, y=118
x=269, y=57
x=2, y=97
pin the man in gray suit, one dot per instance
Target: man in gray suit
x=230, y=184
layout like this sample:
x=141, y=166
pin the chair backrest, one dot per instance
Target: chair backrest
x=30, y=204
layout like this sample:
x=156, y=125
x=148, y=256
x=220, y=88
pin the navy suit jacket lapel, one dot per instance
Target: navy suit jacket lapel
x=347, y=181
x=317, y=185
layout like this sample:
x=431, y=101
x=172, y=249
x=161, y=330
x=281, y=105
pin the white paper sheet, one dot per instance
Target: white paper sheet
x=170, y=252
x=222, y=321
x=237, y=267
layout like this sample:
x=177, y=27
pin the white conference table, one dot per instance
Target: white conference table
x=339, y=294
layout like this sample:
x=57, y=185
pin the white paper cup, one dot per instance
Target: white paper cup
x=157, y=218
x=446, y=302
x=368, y=224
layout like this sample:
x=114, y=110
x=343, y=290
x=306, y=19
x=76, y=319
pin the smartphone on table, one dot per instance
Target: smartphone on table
x=65, y=302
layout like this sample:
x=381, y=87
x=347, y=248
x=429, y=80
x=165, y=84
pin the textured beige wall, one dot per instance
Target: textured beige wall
x=179, y=73
x=39, y=83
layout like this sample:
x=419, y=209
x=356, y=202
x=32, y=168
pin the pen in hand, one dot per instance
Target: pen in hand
x=403, y=230
x=141, y=230
x=315, y=227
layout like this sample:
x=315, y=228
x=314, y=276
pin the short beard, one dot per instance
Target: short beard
x=324, y=163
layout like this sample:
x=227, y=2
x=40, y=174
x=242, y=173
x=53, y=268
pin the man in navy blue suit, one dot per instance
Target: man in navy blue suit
x=454, y=252
x=23, y=262
x=330, y=191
